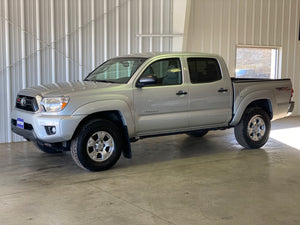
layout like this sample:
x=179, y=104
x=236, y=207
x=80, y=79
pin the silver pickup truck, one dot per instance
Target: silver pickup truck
x=145, y=95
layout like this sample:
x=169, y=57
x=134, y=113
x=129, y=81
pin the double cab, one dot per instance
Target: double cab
x=144, y=95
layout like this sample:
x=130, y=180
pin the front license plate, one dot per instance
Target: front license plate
x=20, y=123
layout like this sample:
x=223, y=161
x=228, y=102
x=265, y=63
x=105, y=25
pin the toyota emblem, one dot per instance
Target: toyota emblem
x=23, y=102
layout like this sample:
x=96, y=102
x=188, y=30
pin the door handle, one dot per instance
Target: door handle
x=181, y=92
x=223, y=90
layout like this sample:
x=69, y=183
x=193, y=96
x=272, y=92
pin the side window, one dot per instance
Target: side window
x=166, y=71
x=204, y=70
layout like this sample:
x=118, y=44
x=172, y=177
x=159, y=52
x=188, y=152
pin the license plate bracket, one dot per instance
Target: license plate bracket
x=20, y=123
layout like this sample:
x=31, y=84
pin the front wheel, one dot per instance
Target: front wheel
x=97, y=146
x=254, y=128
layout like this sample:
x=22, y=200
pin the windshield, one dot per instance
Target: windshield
x=117, y=70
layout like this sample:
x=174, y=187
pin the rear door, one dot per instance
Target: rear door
x=162, y=107
x=210, y=94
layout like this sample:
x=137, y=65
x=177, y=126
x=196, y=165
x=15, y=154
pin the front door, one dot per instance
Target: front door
x=162, y=107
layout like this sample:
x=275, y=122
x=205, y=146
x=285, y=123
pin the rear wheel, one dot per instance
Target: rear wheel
x=97, y=146
x=254, y=128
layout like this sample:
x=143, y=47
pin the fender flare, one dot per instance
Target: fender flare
x=244, y=102
x=98, y=108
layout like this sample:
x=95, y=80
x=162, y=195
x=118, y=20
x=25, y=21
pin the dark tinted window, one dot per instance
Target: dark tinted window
x=204, y=70
x=167, y=71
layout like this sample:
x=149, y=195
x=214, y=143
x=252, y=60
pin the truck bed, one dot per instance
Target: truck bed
x=277, y=92
x=243, y=80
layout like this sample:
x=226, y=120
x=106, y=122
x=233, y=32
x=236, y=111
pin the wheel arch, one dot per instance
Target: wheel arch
x=265, y=104
x=117, y=118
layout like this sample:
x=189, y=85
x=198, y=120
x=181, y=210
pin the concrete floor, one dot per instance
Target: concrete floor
x=170, y=180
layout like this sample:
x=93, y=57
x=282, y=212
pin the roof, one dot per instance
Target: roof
x=159, y=54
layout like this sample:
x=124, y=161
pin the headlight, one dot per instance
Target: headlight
x=54, y=104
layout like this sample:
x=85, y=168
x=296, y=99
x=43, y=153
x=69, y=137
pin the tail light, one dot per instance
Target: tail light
x=292, y=93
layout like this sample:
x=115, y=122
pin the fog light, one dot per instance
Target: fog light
x=50, y=130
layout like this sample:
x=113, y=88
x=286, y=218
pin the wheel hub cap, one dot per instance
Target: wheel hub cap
x=256, y=128
x=100, y=146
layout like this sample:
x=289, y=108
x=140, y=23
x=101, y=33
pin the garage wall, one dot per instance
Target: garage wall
x=218, y=26
x=45, y=41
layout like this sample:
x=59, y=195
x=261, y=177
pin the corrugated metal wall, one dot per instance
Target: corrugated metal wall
x=218, y=26
x=45, y=41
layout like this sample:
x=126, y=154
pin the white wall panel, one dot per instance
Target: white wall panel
x=218, y=26
x=45, y=41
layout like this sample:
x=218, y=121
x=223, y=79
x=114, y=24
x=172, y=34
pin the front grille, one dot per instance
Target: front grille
x=26, y=103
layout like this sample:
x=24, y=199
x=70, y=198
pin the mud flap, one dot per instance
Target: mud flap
x=127, y=146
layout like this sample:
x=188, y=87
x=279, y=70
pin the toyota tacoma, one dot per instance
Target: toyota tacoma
x=144, y=95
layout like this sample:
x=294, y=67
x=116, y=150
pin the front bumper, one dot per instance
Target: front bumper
x=35, y=126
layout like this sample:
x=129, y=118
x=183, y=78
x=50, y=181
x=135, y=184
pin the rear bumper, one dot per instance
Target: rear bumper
x=291, y=107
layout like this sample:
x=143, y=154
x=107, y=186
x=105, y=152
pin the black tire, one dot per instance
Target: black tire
x=97, y=146
x=199, y=133
x=47, y=149
x=253, y=130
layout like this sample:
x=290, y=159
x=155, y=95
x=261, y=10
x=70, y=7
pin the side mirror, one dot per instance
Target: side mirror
x=146, y=79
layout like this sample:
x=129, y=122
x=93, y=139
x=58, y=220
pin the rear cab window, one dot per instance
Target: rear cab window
x=204, y=70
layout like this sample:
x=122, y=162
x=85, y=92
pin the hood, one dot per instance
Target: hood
x=64, y=89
